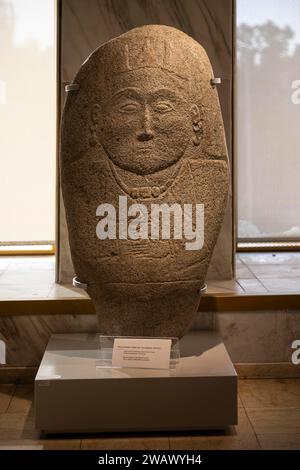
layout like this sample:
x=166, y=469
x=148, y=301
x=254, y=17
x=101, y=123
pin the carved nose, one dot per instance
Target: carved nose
x=146, y=132
x=145, y=136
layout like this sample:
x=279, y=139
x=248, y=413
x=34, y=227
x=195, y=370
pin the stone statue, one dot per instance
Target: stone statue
x=145, y=179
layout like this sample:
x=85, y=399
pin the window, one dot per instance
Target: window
x=267, y=110
x=28, y=121
x=268, y=119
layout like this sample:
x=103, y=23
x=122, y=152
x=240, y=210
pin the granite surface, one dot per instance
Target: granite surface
x=145, y=178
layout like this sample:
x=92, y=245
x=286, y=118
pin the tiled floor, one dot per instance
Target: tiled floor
x=269, y=418
x=34, y=277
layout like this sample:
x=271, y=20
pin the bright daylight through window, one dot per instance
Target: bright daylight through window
x=28, y=121
x=268, y=119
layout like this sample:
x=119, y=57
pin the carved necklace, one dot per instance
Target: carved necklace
x=144, y=192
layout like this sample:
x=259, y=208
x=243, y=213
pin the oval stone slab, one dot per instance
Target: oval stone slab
x=144, y=173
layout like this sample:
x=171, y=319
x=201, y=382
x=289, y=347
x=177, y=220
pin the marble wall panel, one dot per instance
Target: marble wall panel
x=250, y=337
x=257, y=337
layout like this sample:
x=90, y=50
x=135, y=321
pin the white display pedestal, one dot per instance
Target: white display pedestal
x=73, y=395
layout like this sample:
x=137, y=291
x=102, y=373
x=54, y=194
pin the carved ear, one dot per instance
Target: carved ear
x=195, y=113
x=95, y=113
x=197, y=125
x=95, y=118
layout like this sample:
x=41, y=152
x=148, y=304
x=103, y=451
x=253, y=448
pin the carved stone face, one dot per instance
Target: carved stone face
x=145, y=121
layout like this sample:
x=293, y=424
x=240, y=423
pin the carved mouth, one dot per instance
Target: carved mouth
x=145, y=149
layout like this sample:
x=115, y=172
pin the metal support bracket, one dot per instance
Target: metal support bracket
x=72, y=87
x=77, y=283
x=215, y=81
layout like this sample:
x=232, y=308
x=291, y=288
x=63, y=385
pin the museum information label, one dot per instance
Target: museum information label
x=146, y=353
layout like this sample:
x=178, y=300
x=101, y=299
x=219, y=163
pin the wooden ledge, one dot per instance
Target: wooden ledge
x=209, y=303
x=249, y=302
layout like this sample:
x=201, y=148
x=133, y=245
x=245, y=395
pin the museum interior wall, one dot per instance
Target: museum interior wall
x=210, y=23
x=257, y=337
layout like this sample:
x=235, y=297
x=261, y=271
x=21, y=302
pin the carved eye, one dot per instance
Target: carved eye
x=129, y=107
x=163, y=107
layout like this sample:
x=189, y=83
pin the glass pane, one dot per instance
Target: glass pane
x=28, y=120
x=268, y=118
